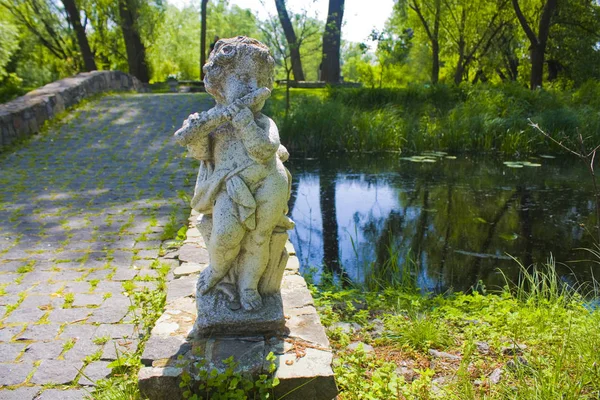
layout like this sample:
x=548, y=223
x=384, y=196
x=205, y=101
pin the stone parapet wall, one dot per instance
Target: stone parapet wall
x=25, y=115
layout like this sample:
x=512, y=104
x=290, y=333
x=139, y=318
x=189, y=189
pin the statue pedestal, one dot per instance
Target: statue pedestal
x=299, y=342
x=217, y=318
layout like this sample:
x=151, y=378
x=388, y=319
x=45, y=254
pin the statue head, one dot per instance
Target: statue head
x=236, y=67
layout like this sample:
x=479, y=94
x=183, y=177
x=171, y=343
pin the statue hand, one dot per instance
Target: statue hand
x=242, y=117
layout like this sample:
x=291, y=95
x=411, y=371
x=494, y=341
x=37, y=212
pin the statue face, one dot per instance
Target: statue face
x=215, y=68
x=232, y=70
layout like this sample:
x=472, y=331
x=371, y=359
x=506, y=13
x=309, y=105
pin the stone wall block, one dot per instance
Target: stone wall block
x=11, y=134
x=41, y=112
x=33, y=126
x=20, y=125
x=3, y=134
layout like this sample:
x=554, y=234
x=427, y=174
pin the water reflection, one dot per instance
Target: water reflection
x=459, y=221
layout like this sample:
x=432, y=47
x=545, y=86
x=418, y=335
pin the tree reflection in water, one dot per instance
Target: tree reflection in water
x=459, y=221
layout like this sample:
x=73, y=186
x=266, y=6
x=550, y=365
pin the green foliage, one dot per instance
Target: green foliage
x=351, y=369
x=176, y=49
x=469, y=118
x=308, y=32
x=8, y=45
x=548, y=320
x=228, y=21
x=199, y=382
x=421, y=332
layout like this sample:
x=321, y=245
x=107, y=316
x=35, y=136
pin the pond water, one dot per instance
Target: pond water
x=454, y=222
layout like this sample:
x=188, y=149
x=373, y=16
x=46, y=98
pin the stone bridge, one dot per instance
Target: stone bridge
x=85, y=209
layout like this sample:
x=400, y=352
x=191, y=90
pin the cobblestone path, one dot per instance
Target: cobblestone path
x=83, y=212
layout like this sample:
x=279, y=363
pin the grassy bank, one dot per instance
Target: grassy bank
x=418, y=118
x=534, y=340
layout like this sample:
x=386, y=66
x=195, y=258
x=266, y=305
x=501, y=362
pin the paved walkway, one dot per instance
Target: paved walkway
x=82, y=213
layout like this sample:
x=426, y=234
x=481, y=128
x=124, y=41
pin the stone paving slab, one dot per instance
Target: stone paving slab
x=82, y=211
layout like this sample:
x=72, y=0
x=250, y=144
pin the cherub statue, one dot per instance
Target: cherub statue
x=242, y=188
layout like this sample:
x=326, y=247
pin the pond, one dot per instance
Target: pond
x=454, y=221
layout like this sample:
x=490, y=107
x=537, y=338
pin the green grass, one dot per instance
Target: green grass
x=417, y=118
x=555, y=328
x=101, y=340
x=420, y=331
x=10, y=92
x=69, y=299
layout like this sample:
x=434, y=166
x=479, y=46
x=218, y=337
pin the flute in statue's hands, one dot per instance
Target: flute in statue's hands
x=198, y=125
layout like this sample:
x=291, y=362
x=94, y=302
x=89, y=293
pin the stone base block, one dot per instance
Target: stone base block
x=217, y=317
x=302, y=354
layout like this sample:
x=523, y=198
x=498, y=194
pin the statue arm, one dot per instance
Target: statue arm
x=198, y=126
x=259, y=135
x=261, y=138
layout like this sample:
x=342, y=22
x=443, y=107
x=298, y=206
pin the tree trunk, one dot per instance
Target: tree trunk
x=554, y=67
x=435, y=44
x=203, y=37
x=136, y=52
x=538, y=42
x=481, y=77
x=435, y=65
x=460, y=65
x=537, y=66
x=290, y=36
x=287, y=93
x=84, y=46
x=330, y=71
x=432, y=34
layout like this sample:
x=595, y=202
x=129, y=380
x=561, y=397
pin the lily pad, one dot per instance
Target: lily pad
x=419, y=159
x=434, y=153
x=450, y=157
x=513, y=164
x=530, y=164
x=546, y=156
x=509, y=237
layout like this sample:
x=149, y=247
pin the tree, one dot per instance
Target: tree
x=136, y=51
x=228, y=21
x=273, y=35
x=429, y=13
x=203, y=36
x=573, y=53
x=392, y=49
x=84, y=46
x=472, y=27
x=290, y=36
x=537, y=41
x=44, y=20
x=330, y=64
x=504, y=52
x=8, y=46
x=176, y=49
x=357, y=66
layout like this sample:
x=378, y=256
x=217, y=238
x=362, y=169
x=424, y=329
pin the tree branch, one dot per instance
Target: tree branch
x=530, y=34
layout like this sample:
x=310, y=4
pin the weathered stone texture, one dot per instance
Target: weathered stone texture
x=303, y=355
x=241, y=191
x=25, y=115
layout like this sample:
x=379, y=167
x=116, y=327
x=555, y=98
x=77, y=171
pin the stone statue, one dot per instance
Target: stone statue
x=242, y=187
